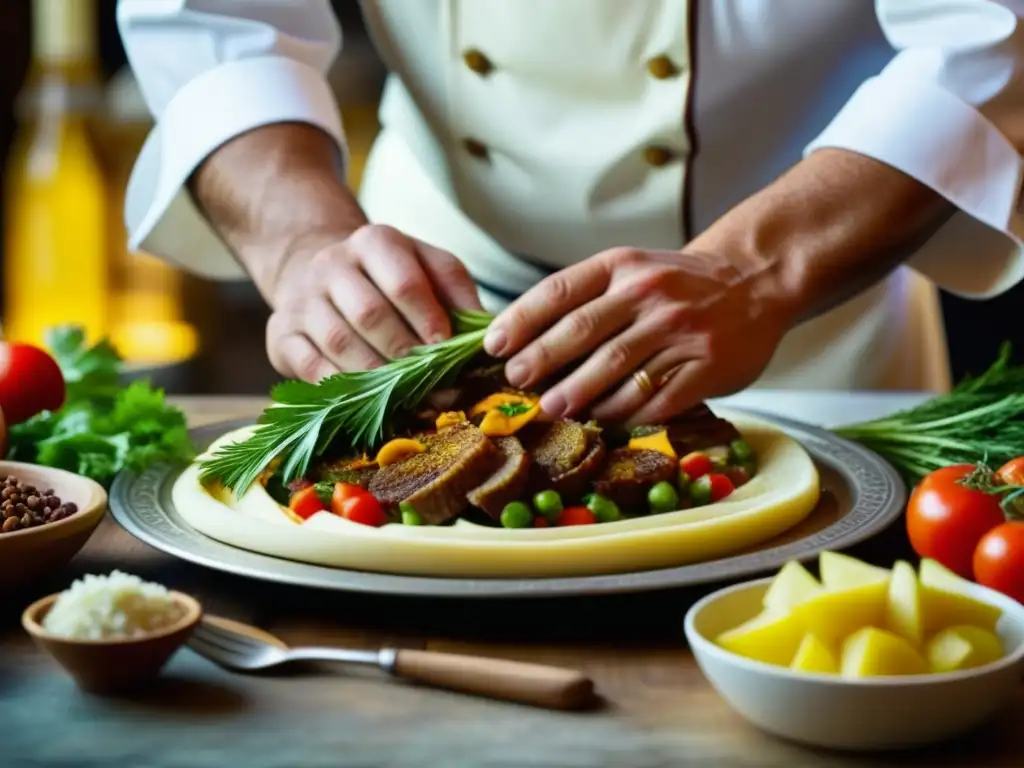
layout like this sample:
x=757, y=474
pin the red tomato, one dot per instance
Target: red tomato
x=576, y=516
x=540, y=522
x=1012, y=472
x=364, y=509
x=999, y=560
x=945, y=520
x=305, y=503
x=721, y=486
x=695, y=464
x=30, y=382
x=342, y=493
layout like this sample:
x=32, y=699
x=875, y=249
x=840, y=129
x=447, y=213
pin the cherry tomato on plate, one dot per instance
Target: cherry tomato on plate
x=576, y=516
x=695, y=464
x=945, y=520
x=999, y=560
x=342, y=493
x=305, y=503
x=30, y=382
x=364, y=509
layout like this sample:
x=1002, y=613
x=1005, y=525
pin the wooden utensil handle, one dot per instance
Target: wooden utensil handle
x=543, y=686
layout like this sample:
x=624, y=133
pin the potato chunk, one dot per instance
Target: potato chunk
x=945, y=601
x=770, y=637
x=792, y=585
x=873, y=652
x=813, y=655
x=963, y=647
x=903, y=613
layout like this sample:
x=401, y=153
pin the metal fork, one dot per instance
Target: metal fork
x=536, y=684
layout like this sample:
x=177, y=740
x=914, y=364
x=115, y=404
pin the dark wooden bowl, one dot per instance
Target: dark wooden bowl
x=30, y=554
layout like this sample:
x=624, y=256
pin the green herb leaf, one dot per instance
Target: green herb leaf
x=979, y=420
x=103, y=427
x=513, y=409
x=350, y=410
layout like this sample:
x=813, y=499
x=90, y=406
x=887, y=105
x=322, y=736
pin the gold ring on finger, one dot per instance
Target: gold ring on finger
x=643, y=381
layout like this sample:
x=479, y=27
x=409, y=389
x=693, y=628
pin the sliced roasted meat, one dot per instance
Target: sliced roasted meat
x=572, y=484
x=561, y=447
x=508, y=481
x=436, y=481
x=354, y=471
x=628, y=475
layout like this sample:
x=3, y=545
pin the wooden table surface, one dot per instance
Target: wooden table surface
x=659, y=710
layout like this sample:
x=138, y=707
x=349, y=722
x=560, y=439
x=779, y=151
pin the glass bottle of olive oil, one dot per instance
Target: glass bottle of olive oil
x=55, y=255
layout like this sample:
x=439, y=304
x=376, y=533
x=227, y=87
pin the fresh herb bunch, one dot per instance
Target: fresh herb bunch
x=980, y=420
x=103, y=426
x=350, y=410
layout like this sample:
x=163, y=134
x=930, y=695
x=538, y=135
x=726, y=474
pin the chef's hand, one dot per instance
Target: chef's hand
x=698, y=325
x=349, y=304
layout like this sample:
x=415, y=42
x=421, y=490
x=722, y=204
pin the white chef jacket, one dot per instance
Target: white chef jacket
x=525, y=135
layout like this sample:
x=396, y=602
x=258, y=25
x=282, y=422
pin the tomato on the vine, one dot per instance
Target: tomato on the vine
x=1012, y=472
x=945, y=520
x=999, y=560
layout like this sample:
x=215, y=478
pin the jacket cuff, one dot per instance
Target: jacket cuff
x=928, y=133
x=215, y=107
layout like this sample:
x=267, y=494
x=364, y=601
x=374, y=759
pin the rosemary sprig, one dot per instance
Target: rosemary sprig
x=981, y=419
x=349, y=410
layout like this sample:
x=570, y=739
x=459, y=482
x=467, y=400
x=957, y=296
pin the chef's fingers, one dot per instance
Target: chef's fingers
x=363, y=302
x=541, y=306
x=451, y=280
x=630, y=396
x=685, y=387
x=573, y=337
x=335, y=339
x=392, y=262
x=292, y=353
x=604, y=369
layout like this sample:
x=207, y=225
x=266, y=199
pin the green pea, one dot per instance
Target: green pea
x=741, y=451
x=548, y=503
x=409, y=514
x=700, y=491
x=663, y=498
x=605, y=510
x=749, y=466
x=516, y=515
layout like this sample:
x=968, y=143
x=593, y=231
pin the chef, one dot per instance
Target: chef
x=670, y=199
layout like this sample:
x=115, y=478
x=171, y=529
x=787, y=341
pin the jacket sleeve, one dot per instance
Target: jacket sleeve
x=948, y=110
x=211, y=70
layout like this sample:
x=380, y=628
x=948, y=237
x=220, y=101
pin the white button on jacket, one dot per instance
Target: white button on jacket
x=524, y=135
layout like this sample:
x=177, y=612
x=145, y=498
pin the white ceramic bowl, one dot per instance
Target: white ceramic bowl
x=830, y=711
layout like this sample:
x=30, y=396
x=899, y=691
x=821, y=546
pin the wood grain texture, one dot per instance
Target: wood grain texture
x=657, y=709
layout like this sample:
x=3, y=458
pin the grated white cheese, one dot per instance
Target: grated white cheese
x=115, y=606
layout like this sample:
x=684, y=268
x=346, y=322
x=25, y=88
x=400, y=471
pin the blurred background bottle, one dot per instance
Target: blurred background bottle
x=147, y=309
x=56, y=231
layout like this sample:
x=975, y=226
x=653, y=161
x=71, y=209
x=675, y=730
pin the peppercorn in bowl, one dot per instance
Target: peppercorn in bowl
x=46, y=516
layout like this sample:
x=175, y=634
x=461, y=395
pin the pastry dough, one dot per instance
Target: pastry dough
x=782, y=493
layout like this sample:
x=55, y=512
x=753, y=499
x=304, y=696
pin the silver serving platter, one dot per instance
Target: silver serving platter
x=866, y=495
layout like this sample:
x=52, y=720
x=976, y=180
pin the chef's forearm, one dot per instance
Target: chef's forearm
x=832, y=226
x=270, y=191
